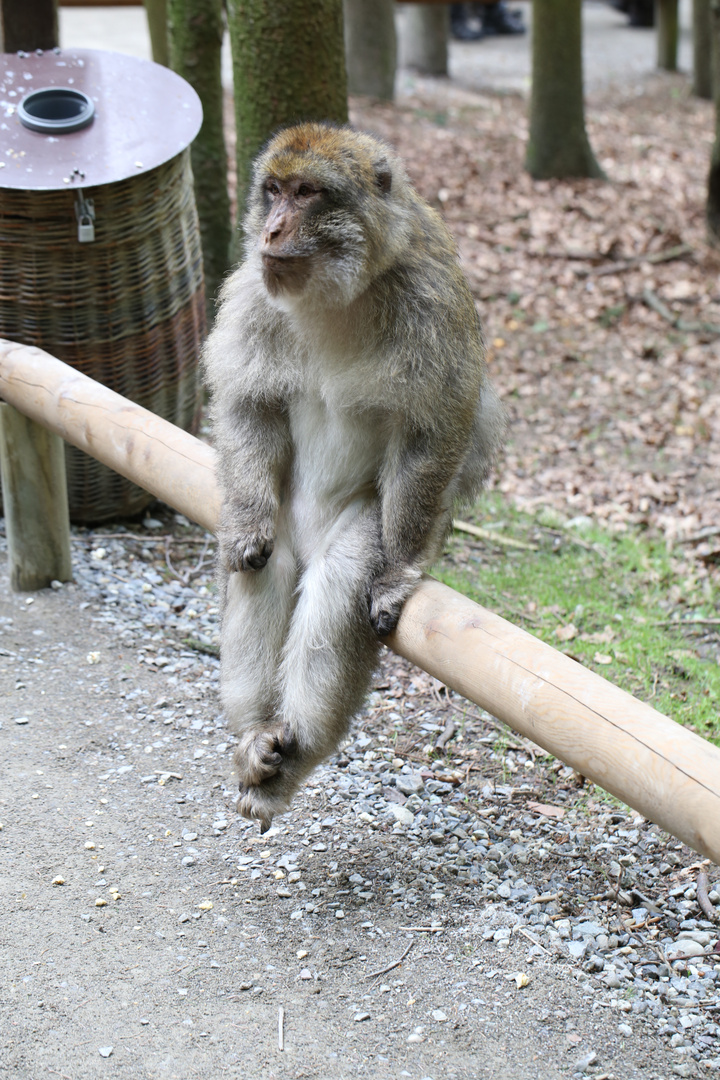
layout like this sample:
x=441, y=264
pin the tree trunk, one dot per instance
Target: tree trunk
x=196, y=30
x=702, y=52
x=28, y=26
x=288, y=66
x=558, y=145
x=157, y=17
x=713, y=199
x=424, y=38
x=370, y=47
x=667, y=34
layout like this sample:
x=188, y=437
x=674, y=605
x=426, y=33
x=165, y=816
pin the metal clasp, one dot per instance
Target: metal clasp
x=85, y=214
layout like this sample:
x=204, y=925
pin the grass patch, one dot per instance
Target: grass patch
x=620, y=603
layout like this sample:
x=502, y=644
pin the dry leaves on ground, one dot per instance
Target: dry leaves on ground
x=601, y=301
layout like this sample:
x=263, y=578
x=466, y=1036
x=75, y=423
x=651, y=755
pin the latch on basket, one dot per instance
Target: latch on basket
x=85, y=214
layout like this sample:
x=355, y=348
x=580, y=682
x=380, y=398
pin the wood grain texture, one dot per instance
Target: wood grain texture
x=150, y=451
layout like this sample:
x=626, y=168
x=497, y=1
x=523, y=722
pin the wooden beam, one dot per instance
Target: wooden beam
x=666, y=772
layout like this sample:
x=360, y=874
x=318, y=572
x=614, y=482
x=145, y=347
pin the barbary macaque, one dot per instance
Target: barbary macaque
x=351, y=409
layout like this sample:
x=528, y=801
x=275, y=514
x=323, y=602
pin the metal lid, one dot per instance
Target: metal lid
x=136, y=115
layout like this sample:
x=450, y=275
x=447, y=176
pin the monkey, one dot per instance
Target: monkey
x=350, y=409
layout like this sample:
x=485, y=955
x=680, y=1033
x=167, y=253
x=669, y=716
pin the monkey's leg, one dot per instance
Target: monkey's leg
x=258, y=607
x=328, y=658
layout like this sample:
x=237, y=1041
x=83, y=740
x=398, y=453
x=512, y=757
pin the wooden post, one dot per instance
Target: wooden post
x=668, y=773
x=667, y=34
x=32, y=461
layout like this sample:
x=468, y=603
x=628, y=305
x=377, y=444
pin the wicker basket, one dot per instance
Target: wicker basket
x=127, y=309
x=100, y=258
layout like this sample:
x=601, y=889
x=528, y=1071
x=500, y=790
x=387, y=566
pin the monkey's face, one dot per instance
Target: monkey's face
x=323, y=214
x=288, y=242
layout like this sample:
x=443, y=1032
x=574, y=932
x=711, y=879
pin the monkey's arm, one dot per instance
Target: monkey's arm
x=417, y=490
x=253, y=442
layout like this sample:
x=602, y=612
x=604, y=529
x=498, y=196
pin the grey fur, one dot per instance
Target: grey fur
x=351, y=409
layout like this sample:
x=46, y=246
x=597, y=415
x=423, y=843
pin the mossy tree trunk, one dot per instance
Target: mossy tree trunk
x=27, y=26
x=667, y=34
x=558, y=145
x=288, y=66
x=370, y=47
x=195, y=36
x=156, y=11
x=424, y=33
x=702, y=51
x=713, y=199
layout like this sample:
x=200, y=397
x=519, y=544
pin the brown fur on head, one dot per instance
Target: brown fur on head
x=324, y=201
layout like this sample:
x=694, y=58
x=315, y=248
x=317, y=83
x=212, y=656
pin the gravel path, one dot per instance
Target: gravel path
x=443, y=901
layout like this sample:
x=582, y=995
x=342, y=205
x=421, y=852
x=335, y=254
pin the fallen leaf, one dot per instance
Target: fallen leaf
x=547, y=811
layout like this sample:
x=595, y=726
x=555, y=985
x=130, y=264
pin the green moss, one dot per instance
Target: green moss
x=620, y=603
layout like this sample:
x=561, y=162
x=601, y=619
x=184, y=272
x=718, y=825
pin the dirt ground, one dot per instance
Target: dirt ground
x=132, y=944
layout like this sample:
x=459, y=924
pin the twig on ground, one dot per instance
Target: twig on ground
x=678, y=252
x=423, y=929
x=702, y=897
x=700, y=535
x=446, y=735
x=492, y=537
x=660, y=953
x=395, y=963
x=186, y=576
x=281, y=1028
x=683, y=325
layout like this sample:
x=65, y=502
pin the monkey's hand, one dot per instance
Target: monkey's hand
x=246, y=552
x=246, y=538
x=388, y=593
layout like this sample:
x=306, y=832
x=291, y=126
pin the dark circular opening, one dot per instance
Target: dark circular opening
x=56, y=109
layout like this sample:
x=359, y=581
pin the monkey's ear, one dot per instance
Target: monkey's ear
x=383, y=175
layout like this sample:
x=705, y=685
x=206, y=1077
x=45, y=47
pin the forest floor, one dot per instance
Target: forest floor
x=445, y=910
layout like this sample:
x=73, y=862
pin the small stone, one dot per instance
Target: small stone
x=584, y=1063
x=58, y=881
x=100, y=902
x=577, y=949
x=684, y=947
x=305, y=974
x=402, y=814
x=625, y=1029
x=339, y=914
x=22, y=719
x=684, y=1069
x=410, y=783
x=439, y=1015
x=89, y=846
x=105, y=1051
x=359, y=1017
x=415, y=1038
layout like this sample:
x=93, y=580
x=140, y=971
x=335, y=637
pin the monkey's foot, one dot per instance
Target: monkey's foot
x=262, y=804
x=260, y=754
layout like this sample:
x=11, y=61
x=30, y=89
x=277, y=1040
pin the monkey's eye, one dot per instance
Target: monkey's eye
x=305, y=191
x=272, y=188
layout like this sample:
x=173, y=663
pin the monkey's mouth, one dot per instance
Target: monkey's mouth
x=282, y=264
x=288, y=272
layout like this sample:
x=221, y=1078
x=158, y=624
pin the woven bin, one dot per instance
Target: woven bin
x=127, y=309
